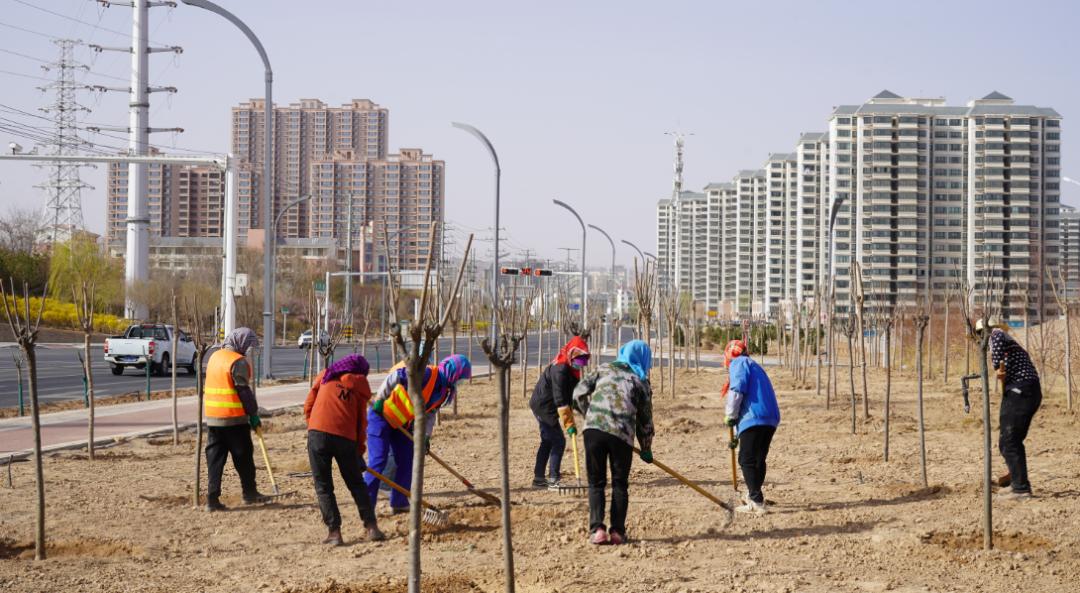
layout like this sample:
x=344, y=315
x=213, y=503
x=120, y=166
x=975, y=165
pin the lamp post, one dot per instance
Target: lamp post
x=495, y=258
x=267, y=181
x=652, y=257
x=584, y=236
x=272, y=278
x=611, y=286
x=640, y=253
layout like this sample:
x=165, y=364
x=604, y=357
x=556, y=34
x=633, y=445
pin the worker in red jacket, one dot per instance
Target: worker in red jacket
x=336, y=414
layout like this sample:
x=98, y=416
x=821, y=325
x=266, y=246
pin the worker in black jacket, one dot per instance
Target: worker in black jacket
x=550, y=404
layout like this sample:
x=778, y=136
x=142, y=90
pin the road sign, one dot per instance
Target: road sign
x=285, y=310
x=320, y=288
x=711, y=313
x=575, y=306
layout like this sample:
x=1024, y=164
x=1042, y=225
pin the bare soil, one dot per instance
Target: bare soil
x=840, y=520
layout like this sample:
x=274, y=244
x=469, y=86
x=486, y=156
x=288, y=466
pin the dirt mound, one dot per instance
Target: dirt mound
x=1006, y=541
x=682, y=424
x=439, y=584
x=85, y=548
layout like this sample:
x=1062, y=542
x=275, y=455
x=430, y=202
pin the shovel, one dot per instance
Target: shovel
x=431, y=515
x=734, y=462
x=695, y=487
x=486, y=497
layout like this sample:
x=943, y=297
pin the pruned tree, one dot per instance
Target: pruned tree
x=921, y=319
x=424, y=332
x=172, y=370
x=1063, y=304
x=886, y=324
x=202, y=337
x=849, y=327
x=860, y=302
x=644, y=292
x=512, y=319
x=24, y=328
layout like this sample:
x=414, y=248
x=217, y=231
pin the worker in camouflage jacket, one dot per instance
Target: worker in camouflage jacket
x=616, y=401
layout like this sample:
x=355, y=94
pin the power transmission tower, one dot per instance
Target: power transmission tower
x=672, y=271
x=64, y=186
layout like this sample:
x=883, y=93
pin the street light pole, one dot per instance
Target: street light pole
x=267, y=181
x=495, y=259
x=584, y=236
x=611, y=286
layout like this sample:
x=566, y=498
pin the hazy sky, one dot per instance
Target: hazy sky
x=576, y=96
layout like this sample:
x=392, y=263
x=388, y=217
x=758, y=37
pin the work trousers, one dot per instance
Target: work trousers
x=550, y=453
x=602, y=449
x=323, y=449
x=753, y=450
x=1018, y=406
x=221, y=442
x=382, y=439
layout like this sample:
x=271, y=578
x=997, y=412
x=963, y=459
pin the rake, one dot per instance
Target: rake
x=431, y=515
x=577, y=490
x=485, y=496
x=266, y=458
x=729, y=508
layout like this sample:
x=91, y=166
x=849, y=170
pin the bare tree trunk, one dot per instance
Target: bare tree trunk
x=90, y=395
x=920, y=334
x=817, y=341
x=851, y=368
x=39, y=472
x=862, y=355
x=172, y=373
x=888, y=384
x=988, y=507
x=1068, y=360
x=525, y=362
x=945, y=346
x=199, y=381
x=504, y=461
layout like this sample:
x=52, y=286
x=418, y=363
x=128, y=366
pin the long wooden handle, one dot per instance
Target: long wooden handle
x=439, y=460
x=687, y=482
x=266, y=458
x=577, y=464
x=734, y=464
x=401, y=489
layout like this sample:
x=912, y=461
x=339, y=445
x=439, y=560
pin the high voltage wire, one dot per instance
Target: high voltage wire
x=25, y=30
x=30, y=76
x=43, y=61
x=70, y=18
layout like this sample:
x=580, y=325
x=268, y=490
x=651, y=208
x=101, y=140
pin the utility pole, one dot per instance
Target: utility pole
x=673, y=256
x=64, y=209
x=137, y=252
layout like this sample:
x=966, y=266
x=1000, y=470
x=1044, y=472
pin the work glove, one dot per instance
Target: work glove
x=566, y=416
x=734, y=443
x=254, y=421
x=378, y=406
x=728, y=420
x=646, y=456
x=1001, y=369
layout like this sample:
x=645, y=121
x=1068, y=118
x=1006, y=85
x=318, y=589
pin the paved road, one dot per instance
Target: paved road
x=60, y=372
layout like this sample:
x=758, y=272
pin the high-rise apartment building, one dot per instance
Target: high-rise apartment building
x=923, y=196
x=1070, y=251
x=184, y=201
x=687, y=236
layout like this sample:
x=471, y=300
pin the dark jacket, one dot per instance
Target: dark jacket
x=554, y=389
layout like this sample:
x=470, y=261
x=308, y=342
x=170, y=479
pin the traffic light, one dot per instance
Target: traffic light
x=509, y=271
x=539, y=272
x=526, y=271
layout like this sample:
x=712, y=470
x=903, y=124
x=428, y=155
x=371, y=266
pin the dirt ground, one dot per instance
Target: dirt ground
x=841, y=520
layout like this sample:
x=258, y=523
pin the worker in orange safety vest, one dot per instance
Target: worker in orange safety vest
x=231, y=414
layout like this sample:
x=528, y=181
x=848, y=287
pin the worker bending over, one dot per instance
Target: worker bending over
x=551, y=399
x=751, y=407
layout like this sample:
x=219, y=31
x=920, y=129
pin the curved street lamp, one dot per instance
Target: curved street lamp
x=495, y=259
x=268, y=177
x=584, y=236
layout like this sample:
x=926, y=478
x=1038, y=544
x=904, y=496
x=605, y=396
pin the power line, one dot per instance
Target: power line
x=21, y=55
x=43, y=61
x=30, y=76
x=70, y=18
x=25, y=30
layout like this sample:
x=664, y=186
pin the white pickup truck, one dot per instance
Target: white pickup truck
x=149, y=342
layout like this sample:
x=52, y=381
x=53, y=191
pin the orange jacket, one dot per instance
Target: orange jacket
x=221, y=399
x=339, y=407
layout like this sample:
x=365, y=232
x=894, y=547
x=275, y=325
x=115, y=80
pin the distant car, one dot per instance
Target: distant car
x=304, y=341
x=149, y=343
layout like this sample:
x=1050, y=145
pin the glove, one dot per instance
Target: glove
x=254, y=421
x=728, y=420
x=646, y=456
x=377, y=406
x=734, y=444
x=566, y=415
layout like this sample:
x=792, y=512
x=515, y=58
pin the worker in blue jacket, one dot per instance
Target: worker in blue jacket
x=751, y=407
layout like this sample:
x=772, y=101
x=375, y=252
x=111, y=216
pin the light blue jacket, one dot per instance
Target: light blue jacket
x=751, y=395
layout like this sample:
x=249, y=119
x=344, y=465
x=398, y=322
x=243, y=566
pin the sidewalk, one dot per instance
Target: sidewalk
x=67, y=430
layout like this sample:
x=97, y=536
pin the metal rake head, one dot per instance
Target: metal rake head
x=435, y=517
x=565, y=490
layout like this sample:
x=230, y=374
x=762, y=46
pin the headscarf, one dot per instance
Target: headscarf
x=733, y=350
x=636, y=355
x=353, y=363
x=241, y=340
x=575, y=348
x=455, y=368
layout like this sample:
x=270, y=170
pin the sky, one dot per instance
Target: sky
x=575, y=96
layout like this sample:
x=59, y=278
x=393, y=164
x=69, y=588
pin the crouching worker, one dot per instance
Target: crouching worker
x=231, y=414
x=752, y=409
x=616, y=401
x=336, y=415
x=392, y=410
x=1021, y=396
x=550, y=405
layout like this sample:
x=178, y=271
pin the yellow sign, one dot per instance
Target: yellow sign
x=712, y=313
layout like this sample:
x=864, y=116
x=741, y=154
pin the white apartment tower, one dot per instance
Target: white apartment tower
x=782, y=212
x=812, y=220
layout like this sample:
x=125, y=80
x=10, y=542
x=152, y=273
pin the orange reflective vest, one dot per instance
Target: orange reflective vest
x=398, y=408
x=220, y=397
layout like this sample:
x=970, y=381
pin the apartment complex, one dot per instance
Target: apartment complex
x=688, y=252
x=915, y=195
x=184, y=201
x=336, y=155
x=1070, y=251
